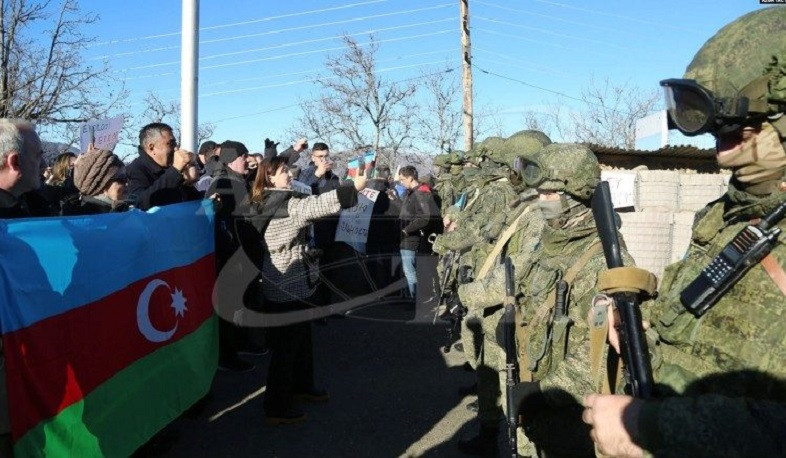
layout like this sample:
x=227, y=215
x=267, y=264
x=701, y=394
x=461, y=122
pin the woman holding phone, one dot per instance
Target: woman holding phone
x=289, y=280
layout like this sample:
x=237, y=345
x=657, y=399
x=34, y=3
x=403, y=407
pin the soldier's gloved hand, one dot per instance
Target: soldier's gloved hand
x=439, y=246
x=627, y=279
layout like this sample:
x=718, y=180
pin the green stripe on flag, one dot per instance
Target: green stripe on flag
x=124, y=412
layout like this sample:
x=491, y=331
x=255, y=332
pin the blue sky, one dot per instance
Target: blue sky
x=257, y=57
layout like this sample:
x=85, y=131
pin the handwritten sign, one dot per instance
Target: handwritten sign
x=300, y=187
x=354, y=221
x=106, y=133
x=622, y=184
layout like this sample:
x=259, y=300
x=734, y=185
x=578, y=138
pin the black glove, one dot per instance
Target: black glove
x=271, y=148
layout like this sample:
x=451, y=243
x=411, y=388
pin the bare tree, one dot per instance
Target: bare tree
x=611, y=112
x=607, y=115
x=46, y=80
x=440, y=120
x=488, y=121
x=159, y=110
x=355, y=107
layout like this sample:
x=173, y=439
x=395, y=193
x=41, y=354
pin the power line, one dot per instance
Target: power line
x=312, y=80
x=547, y=16
x=561, y=94
x=619, y=16
x=298, y=104
x=273, y=32
x=509, y=65
x=549, y=32
x=517, y=59
x=214, y=56
x=518, y=37
x=304, y=72
x=318, y=51
x=253, y=21
x=316, y=40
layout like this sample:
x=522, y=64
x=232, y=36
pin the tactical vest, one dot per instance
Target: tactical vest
x=745, y=330
x=544, y=343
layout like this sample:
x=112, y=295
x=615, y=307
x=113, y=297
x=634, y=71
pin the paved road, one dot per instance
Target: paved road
x=393, y=393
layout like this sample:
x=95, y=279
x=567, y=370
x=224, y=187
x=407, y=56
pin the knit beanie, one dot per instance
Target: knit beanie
x=94, y=170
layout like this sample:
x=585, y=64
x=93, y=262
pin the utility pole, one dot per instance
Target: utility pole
x=466, y=55
x=189, y=75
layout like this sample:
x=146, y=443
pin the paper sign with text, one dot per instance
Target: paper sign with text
x=622, y=184
x=354, y=221
x=105, y=132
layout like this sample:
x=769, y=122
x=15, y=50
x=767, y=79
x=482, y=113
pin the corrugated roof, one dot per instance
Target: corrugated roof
x=675, y=151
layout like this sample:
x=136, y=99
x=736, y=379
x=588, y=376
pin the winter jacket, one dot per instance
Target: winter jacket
x=325, y=229
x=232, y=191
x=89, y=205
x=419, y=217
x=150, y=185
x=290, y=272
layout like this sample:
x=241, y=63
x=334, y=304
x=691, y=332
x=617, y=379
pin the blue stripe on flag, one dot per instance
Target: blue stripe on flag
x=49, y=266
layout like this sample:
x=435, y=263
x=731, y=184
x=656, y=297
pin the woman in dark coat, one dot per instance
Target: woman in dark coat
x=289, y=280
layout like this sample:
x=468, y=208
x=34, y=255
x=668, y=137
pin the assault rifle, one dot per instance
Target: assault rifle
x=449, y=307
x=747, y=248
x=638, y=371
x=511, y=355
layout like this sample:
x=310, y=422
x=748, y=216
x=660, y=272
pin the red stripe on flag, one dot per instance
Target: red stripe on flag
x=60, y=360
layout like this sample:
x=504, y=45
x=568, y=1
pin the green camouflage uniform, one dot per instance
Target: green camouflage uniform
x=483, y=297
x=729, y=366
x=479, y=227
x=450, y=183
x=559, y=356
x=737, y=349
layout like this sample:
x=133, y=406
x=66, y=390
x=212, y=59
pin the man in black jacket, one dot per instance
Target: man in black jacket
x=155, y=178
x=419, y=217
x=20, y=159
x=230, y=185
x=20, y=164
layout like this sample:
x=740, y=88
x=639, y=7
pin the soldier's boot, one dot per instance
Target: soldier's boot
x=483, y=444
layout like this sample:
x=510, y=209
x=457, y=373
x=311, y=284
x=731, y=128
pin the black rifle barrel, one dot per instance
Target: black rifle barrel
x=773, y=217
x=511, y=356
x=632, y=339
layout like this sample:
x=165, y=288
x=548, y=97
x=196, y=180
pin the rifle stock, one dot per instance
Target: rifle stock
x=635, y=356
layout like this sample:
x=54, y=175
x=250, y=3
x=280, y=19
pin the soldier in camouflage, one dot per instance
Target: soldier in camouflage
x=512, y=231
x=554, y=349
x=450, y=181
x=488, y=192
x=725, y=371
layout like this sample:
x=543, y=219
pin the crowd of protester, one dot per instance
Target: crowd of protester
x=288, y=235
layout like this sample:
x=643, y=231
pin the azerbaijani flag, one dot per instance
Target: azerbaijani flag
x=108, y=326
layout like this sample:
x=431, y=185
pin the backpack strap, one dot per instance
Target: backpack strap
x=503, y=239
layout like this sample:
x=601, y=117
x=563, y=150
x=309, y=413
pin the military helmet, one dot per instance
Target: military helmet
x=488, y=146
x=738, y=75
x=567, y=167
x=521, y=144
x=441, y=160
x=455, y=158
